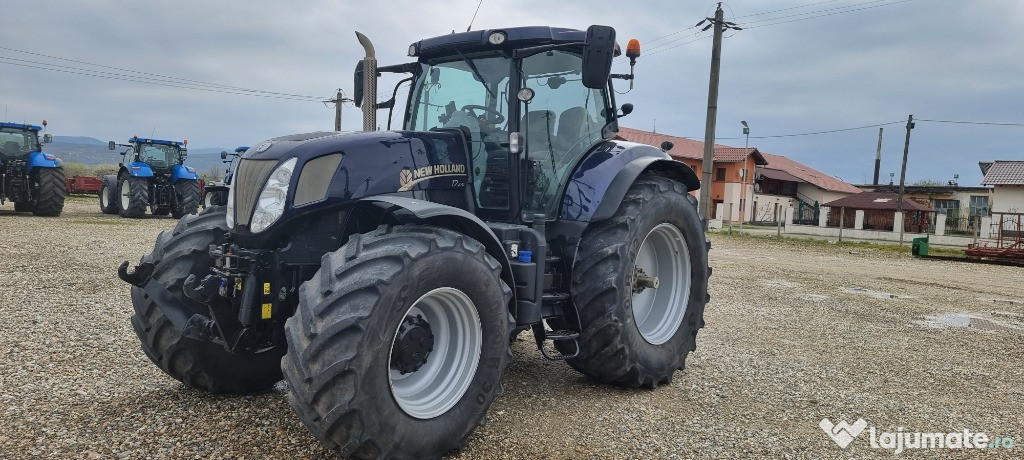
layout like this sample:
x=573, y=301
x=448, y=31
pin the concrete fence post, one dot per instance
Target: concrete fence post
x=858, y=220
x=940, y=224
x=986, y=228
x=790, y=215
x=897, y=222
x=823, y=216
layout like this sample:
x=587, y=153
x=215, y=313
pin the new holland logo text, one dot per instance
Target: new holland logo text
x=410, y=177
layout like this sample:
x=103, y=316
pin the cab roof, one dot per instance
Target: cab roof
x=21, y=126
x=516, y=37
x=142, y=140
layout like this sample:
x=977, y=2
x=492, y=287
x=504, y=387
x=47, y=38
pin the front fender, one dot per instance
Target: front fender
x=43, y=160
x=182, y=172
x=454, y=219
x=600, y=181
x=139, y=169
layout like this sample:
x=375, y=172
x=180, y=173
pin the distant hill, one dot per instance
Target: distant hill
x=91, y=151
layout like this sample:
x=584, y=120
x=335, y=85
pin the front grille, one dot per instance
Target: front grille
x=249, y=179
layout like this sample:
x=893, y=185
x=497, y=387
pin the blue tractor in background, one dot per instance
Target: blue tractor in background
x=33, y=180
x=216, y=192
x=151, y=175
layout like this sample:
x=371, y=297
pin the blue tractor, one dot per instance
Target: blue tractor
x=152, y=174
x=30, y=178
x=216, y=193
x=383, y=273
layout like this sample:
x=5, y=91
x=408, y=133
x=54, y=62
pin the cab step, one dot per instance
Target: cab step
x=542, y=334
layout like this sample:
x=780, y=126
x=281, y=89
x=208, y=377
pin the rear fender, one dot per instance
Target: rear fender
x=43, y=160
x=454, y=219
x=600, y=181
x=182, y=172
x=138, y=169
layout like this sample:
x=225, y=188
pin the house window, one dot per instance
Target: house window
x=719, y=173
x=949, y=207
x=979, y=205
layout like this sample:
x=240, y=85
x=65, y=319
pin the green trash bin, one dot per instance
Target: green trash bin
x=919, y=247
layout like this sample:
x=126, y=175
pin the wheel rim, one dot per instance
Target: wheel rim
x=104, y=199
x=441, y=381
x=661, y=284
x=125, y=194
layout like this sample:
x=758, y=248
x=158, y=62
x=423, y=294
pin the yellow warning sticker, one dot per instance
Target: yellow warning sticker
x=266, y=311
x=266, y=288
x=238, y=284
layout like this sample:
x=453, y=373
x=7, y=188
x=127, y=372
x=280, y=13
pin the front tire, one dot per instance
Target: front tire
x=108, y=195
x=640, y=284
x=399, y=343
x=196, y=363
x=50, y=192
x=133, y=196
x=186, y=198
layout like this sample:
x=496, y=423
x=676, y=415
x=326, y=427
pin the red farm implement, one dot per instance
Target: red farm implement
x=1005, y=241
x=83, y=185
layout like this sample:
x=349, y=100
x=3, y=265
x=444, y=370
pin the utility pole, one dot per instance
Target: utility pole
x=878, y=156
x=720, y=25
x=903, y=173
x=337, y=101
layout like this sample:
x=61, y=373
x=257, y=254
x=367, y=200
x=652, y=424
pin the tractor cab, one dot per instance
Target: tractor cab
x=19, y=140
x=533, y=101
x=152, y=153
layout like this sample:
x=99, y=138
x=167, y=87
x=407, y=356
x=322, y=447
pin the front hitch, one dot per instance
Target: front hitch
x=137, y=277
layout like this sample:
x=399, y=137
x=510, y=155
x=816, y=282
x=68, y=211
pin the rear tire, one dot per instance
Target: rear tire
x=196, y=363
x=343, y=365
x=108, y=195
x=133, y=196
x=633, y=338
x=186, y=198
x=50, y=191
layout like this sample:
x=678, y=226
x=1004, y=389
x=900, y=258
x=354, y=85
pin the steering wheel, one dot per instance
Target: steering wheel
x=489, y=115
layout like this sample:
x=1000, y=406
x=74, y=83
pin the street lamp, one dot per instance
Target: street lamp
x=743, y=174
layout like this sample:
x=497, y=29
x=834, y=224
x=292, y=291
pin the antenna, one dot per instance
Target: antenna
x=153, y=132
x=474, y=15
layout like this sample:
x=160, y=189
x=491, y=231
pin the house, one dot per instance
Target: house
x=962, y=205
x=1007, y=179
x=879, y=211
x=732, y=183
x=783, y=183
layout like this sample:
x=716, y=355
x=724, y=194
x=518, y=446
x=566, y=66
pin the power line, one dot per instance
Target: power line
x=147, y=75
x=110, y=76
x=785, y=9
x=973, y=122
x=815, y=15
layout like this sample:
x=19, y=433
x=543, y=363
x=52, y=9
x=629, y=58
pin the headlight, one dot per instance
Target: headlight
x=231, y=206
x=270, y=204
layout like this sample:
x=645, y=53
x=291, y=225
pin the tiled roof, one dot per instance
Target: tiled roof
x=808, y=174
x=885, y=201
x=1004, y=173
x=690, y=149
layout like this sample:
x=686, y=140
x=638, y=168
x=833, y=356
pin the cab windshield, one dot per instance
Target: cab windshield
x=159, y=155
x=16, y=142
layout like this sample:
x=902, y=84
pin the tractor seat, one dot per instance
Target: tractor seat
x=12, y=148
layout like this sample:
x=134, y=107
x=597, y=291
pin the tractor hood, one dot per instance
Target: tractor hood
x=332, y=169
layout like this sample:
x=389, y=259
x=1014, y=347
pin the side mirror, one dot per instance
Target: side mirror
x=223, y=154
x=597, y=56
x=47, y=138
x=357, y=85
x=111, y=145
x=627, y=109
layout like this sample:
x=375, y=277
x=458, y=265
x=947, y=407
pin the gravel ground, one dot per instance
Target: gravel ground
x=785, y=346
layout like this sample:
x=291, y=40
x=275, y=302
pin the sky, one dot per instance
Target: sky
x=798, y=67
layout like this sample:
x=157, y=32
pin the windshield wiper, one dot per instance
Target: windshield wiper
x=476, y=72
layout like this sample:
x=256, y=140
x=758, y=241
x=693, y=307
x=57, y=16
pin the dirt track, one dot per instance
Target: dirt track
x=796, y=332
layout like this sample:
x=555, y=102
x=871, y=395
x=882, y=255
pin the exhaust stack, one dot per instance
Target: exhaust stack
x=369, y=101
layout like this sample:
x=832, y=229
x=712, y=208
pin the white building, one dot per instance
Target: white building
x=1007, y=178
